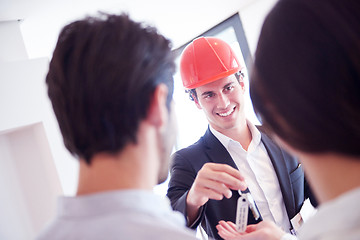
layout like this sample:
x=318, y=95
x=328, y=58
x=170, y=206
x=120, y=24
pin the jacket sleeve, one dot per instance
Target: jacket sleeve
x=182, y=176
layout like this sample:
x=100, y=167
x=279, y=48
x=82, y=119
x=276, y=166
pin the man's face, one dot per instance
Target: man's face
x=223, y=103
x=167, y=140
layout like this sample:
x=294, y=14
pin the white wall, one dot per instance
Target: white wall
x=252, y=17
x=28, y=182
x=24, y=100
x=29, y=140
x=12, y=47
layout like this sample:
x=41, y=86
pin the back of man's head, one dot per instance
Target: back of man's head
x=102, y=75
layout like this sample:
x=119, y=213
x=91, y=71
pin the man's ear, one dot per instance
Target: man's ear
x=196, y=100
x=242, y=85
x=158, y=112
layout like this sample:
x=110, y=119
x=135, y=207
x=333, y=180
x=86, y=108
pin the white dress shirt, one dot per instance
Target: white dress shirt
x=337, y=219
x=126, y=214
x=256, y=167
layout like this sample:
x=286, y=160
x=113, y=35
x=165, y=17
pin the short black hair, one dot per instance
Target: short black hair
x=192, y=92
x=101, y=78
x=305, y=85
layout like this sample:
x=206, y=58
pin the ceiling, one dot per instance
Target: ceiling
x=178, y=20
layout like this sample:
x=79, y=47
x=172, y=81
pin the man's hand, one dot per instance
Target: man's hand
x=213, y=181
x=263, y=230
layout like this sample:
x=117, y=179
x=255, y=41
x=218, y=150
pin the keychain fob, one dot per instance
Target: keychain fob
x=242, y=213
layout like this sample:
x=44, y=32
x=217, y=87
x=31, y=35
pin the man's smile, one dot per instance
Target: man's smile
x=225, y=114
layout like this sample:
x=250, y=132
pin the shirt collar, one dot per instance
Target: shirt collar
x=225, y=140
x=117, y=200
x=255, y=133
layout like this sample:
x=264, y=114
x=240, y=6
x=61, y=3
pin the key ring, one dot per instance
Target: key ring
x=245, y=202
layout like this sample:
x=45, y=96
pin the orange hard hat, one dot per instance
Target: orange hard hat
x=207, y=59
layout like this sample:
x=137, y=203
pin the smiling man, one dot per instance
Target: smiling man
x=206, y=176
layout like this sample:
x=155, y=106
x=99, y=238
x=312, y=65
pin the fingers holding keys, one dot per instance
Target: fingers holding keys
x=214, y=181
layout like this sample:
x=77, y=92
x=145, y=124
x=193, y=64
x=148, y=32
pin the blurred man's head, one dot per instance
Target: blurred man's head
x=101, y=81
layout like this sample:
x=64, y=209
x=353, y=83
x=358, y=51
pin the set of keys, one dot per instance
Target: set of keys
x=245, y=202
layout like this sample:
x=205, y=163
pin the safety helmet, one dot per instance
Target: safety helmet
x=207, y=59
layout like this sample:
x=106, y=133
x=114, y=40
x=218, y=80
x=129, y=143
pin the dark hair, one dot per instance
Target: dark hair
x=192, y=92
x=101, y=78
x=305, y=85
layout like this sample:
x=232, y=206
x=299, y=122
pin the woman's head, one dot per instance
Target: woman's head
x=305, y=83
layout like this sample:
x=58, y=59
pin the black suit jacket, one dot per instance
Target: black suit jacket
x=188, y=161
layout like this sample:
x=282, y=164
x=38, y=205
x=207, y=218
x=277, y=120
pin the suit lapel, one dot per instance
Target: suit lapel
x=279, y=164
x=215, y=151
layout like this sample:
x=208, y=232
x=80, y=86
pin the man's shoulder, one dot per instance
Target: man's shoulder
x=269, y=142
x=193, y=149
x=194, y=155
x=208, y=140
x=267, y=137
x=159, y=228
x=263, y=131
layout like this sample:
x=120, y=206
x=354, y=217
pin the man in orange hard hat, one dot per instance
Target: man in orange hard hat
x=231, y=151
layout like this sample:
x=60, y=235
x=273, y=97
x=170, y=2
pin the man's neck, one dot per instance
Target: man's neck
x=125, y=170
x=241, y=133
